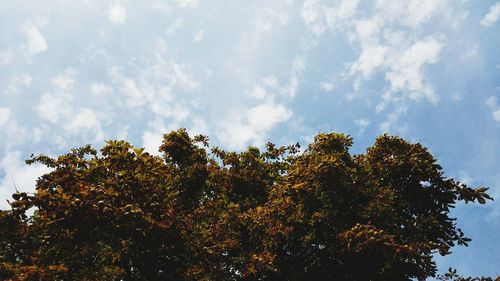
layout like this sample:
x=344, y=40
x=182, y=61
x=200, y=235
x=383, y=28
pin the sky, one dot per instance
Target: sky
x=251, y=71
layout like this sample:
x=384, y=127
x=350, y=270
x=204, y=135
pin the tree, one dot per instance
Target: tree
x=201, y=213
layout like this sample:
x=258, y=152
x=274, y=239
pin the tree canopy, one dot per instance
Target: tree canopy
x=203, y=213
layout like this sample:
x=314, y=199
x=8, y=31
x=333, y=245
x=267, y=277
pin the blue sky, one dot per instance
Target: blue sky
x=247, y=72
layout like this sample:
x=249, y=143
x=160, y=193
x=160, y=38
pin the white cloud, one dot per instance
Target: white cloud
x=117, y=14
x=337, y=15
x=181, y=77
x=263, y=25
x=494, y=213
x=298, y=66
x=390, y=9
x=36, y=135
x=420, y=11
x=457, y=97
x=258, y=92
x=6, y=56
x=53, y=107
x=403, y=64
x=313, y=15
x=123, y=132
x=492, y=16
x=153, y=137
x=406, y=71
x=390, y=45
x=161, y=6
x=23, y=79
x=17, y=174
x=262, y=29
x=362, y=123
x=35, y=42
x=4, y=116
x=395, y=37
x=151, y=141
x=15, y=135
x=270, y=81
x=251, y=128
x=396, y=52
x=471, y=51
x=177, y=112
x=174, y=26
x=198, y=36
x=157, y=86
x=389, y=125
x=99, y=89
x=496, y=115
x=187, y=3
x=368, y=30
x=492, y=102
x=65, y=81
x=263, y=117
x=326, y=86
x=135, y=97
x=85, y=121
x=238, y=136
x=198, y=126
x=18, y=81
x=412, y=13
x=465, y=178
x=56, y=105
x=373, y=53
x=372, y=57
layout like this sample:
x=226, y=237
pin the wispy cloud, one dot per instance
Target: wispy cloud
x=188, y=3
x=492, y=16
x=117, y=13
x=298, y=66
x=6, y=55
x=492, y=102
x=198, y=36
x=35, y=42
x=326, y=86
x=251, y=125
x=4, y=116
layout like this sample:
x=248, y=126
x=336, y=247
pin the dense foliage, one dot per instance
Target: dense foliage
x=200, y=213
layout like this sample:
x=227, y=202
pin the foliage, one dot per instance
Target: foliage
x=201, y=213
x=453, y=276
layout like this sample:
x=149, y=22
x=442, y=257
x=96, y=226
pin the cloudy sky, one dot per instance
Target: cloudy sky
x=245, y=72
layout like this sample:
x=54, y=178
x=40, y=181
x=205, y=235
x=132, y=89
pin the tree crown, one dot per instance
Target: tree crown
x=196, y=212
